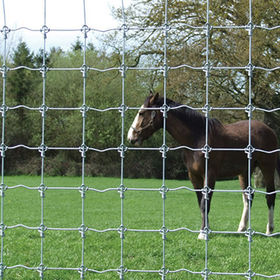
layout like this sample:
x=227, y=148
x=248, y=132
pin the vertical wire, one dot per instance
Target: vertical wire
x=122, y=147
x=4, y=13
x=249, y=188
x=206, y=187
x=83, y=147
x=3, y=147
x=164, y=147
x=43, y=147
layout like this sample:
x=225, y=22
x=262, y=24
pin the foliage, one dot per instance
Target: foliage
x=103, y=86
x=228, y=47
x=63, y=127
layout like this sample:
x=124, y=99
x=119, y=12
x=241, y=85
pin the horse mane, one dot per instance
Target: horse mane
x=193, y=119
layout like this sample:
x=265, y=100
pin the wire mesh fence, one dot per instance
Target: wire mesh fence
x=83, y=189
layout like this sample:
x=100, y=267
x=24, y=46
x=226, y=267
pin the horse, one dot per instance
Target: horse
x=228, y=152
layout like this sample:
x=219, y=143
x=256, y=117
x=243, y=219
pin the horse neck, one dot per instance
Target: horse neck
x=182, y=132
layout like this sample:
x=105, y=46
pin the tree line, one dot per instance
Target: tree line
x=64, y=89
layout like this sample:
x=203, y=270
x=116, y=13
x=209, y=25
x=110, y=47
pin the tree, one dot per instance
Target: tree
x=227, y=47
x=186, y=45
x=21, y=86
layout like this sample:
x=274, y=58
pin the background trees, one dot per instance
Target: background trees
x=228, y=47
x=186, y=46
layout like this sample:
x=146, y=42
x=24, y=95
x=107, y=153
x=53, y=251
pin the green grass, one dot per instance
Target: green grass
x=142, y=210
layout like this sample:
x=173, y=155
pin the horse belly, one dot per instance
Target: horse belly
x=232, y=164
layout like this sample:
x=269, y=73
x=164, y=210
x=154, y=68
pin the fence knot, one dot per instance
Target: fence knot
x=124, y=27
x=3, y=188
x=122, y=149
x=45, y=30
x=250, y=27
x=164, y=109
x=208, y=28
x=206, y=69
x=250, y=274
x=3, y=109
x=206, y=109
x=2, y=269
x=165, y=69
x=42, y=189
x=82, y=270
x=163, y=272
x=42, y=150
x=163, y=231
x=83, y=149
x=206, y=151
x=43, y=70
x=249, y=150
x=206, y=231
x=82, y=230
x=41, y=268
x=121, y=271
x=85, y=29
x=5, y=30
x=206, y=191
x=121, y=190
x=205, y=273
x=249, y=109
x=163, y=190
x=122, y=109
x=2, y=229
x=121, y=231
x=83, y=189
x=4, y=69
x=84, y=69
x=164, y=149
x=43, y=109
x=250, y=68
x=42, y=228
x=123, y=68
x=249, y=233
x=84, y=108
x=3, y=149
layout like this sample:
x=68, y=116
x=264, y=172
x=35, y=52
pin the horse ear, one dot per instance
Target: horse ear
x=154, y=98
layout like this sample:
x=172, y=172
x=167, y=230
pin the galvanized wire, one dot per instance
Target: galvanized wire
x=122, y=149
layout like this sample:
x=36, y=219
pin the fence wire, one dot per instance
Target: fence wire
x=122, y=270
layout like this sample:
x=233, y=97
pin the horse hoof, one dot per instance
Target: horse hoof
x=269, y=230
x=241, y=229
x=201, y=236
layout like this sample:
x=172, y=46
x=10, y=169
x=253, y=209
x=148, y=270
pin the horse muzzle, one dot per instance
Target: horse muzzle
x=136, y=142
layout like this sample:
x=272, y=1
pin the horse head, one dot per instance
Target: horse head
x=147, y=121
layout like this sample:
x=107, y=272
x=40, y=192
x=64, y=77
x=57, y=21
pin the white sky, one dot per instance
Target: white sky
x=60, y=14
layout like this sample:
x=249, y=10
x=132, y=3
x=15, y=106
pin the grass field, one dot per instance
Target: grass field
x=142, y=250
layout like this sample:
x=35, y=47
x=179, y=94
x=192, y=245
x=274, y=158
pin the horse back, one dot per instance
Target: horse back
x=262, y=136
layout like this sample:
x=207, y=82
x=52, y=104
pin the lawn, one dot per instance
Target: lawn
x=142, y=251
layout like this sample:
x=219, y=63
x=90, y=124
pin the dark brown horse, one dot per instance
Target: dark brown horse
x=188, y=128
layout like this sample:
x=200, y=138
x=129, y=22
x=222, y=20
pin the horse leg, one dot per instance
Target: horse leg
x=204, y=200
x=197, y=182
x=268, y=173
x=243, y=180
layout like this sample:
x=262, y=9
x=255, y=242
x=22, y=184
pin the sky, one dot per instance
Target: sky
x=60, y=14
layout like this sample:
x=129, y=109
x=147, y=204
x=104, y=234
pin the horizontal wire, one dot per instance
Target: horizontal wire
x=7, y=108
x=39, y=228
x=127, y=27
x=117, y=189
x=102, y=70
x=91, y=270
